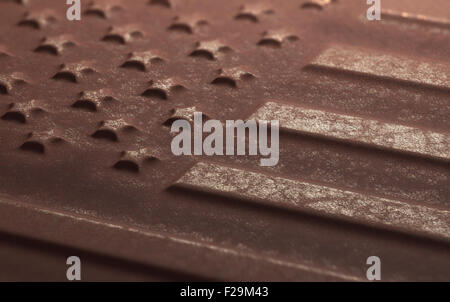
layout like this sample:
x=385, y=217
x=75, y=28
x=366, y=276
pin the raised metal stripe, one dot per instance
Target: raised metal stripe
x=154, y=248
x=414, y=18
x=357, y=130
x=384, y=65
x=308, y=197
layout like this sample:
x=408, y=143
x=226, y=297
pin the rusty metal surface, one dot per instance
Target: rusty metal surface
x=364, y=141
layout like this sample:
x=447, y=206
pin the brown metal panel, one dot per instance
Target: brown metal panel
x=86, y=166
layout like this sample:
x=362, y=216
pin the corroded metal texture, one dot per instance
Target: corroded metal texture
x=384, y=65
x=357, y=130
x=86, y=167
x=297, y=195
